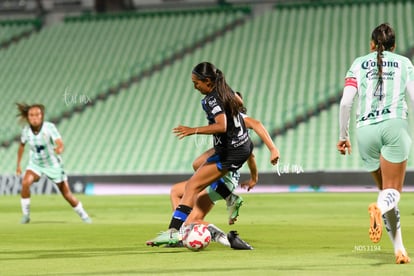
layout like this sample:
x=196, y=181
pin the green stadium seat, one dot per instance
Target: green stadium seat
x=285, y=62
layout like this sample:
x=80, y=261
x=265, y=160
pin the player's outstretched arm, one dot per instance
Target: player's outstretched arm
x=254, y=175
x=260, y=130
x=220, y=126
x=20, y=152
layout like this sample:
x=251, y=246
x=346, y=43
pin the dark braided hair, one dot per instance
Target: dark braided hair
x=207, y=70
x=383, y=37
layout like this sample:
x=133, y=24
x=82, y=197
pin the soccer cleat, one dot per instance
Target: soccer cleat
x=87, y=220
x=401, y=258
x=25, y=219
x=233, y=202
x=375, y=227
x=170, y=237
x=236, y=242
x=218, y=235
x=174, y=245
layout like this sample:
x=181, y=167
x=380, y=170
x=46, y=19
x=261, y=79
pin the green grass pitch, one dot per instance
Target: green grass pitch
x=292, y=233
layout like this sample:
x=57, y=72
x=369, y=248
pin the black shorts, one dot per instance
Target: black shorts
x=233, y=159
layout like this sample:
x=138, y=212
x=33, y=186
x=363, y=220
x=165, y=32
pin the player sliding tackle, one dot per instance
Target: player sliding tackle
x=223, y=189
x=206, y=201
x=231, y=149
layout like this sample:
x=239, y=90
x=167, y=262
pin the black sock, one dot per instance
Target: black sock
x=222, y=189
x=179, y=216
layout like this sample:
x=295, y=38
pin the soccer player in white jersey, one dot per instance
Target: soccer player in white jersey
x=381, y=80
x=46, y=146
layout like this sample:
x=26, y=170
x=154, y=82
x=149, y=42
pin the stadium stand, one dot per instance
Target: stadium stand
x=80, y=62
x=13, y=30
x=68, y=64
x=288, y=62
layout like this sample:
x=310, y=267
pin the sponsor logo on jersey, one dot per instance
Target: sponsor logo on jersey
x=375, y=114
x=372, y=63
x=373, y=73
x=241, y=140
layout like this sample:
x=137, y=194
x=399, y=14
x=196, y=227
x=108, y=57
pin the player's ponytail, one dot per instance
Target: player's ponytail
x=226, y=94
x=383, y=37
x=380, y=49
x=207, y=70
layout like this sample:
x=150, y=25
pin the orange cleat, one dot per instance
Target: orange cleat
x=401, y=258
x=375, y=221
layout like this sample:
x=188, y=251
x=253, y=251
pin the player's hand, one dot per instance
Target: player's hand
x=18, y=171
x=343, y=147
x=183, y=131
x=58, y=150
x=248, y=184
x=274, y=156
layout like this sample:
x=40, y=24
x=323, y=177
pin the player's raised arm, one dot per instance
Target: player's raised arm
x=260, y=130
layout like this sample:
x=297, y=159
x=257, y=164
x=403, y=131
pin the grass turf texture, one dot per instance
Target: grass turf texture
x=293, y=234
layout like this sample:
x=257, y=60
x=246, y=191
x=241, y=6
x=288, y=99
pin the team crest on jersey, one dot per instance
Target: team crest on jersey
x=212, y=102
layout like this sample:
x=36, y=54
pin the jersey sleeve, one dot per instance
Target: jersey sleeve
x=54, y=133
x=351, y=82
x=213, y=106
x=352, y=71
x=345, y=107
x=410, y=71
x=23, y=137
x=410, y=81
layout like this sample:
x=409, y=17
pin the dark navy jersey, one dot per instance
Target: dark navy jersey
x=236, y=134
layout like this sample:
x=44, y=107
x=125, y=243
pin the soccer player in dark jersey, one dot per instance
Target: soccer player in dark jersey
x=227, y=185
x=232, y=144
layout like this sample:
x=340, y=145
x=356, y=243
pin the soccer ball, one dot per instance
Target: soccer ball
x=196, y=238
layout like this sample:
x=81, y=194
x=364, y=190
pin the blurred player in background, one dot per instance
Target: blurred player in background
x=232, y=144
x=46, y=145
x=381, y=80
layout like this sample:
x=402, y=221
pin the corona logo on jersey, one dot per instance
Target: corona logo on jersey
x=373, y=64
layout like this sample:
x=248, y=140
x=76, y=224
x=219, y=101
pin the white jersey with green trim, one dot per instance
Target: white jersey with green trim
x=386, y=101
x=42, y=145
